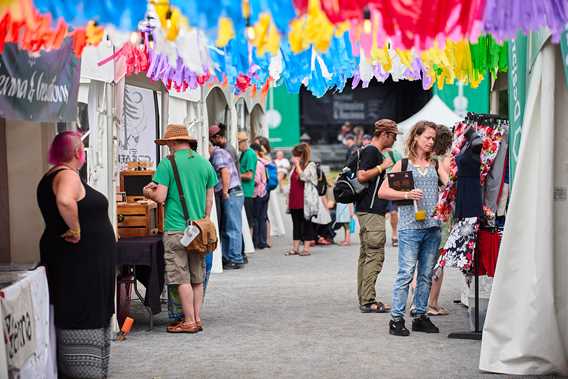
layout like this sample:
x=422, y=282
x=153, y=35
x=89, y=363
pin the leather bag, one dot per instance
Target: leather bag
x=207, y=239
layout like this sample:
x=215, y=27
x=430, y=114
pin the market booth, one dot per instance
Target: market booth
x=120, y=116
x=38, y=98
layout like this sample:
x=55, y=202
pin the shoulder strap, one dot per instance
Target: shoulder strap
x=180, y=189
x=437, y=167
x=404, y=164
x=391, y=155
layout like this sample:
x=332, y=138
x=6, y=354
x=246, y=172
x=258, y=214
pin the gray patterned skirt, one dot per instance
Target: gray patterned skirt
x=83, y=353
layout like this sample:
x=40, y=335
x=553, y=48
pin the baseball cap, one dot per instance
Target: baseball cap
x=214, y=130
x=386, y=125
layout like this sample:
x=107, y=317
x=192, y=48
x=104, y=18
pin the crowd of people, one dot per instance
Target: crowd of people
x=78, y=247
x=418, y=238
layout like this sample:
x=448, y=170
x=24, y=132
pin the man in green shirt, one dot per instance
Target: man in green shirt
x=248, y=163
x=198, y=179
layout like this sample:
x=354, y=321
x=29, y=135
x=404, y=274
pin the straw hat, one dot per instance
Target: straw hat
x=242, y=136
x=175, y=133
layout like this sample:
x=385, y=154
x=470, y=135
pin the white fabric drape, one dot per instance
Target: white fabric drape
x=275, y=215
x=526, y=329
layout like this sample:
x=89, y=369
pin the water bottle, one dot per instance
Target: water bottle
x=189, y=235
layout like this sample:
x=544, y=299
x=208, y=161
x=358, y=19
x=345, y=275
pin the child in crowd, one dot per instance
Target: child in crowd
x=343, y=217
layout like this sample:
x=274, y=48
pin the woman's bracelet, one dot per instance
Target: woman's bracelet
x=74, y=232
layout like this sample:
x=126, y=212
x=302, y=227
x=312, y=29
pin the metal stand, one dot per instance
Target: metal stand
x=477, y=333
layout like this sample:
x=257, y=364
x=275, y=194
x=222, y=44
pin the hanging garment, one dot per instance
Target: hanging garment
x=488, y=242
x=469, y=201
x=494, y=184
x=492, y=136
x=460, y=246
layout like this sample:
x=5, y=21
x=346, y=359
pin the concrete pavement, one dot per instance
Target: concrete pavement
x=297, y=317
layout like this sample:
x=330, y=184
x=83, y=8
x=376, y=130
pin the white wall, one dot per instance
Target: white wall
x=27, y=145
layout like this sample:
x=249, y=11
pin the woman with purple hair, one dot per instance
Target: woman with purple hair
x=78, y=249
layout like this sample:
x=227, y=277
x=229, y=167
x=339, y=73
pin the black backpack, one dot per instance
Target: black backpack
x=347, y=187
x=322, y=181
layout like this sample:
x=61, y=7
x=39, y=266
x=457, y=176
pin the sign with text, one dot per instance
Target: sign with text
x=19, y=327
x=517, y=97
x=138, y=132
x=40, y=88
x=564, y=50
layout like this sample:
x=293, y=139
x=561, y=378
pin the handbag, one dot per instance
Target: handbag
x=206, y=241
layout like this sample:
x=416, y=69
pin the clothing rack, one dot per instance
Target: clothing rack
x=484, y=117
x=477, y=332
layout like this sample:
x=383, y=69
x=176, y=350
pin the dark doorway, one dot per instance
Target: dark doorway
x=321, y=118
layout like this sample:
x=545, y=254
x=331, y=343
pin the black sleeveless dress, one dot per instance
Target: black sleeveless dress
x=469, y=199
x=80, y=276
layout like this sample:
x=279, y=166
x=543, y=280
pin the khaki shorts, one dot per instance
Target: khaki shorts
x=182, y=267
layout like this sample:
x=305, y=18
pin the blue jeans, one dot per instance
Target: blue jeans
x=415, y=246
x=231, y=237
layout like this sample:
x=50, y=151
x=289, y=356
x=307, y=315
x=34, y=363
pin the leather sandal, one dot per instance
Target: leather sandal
x=184, y=327
x=379, y=308
x=199, y=325
x=174, y=323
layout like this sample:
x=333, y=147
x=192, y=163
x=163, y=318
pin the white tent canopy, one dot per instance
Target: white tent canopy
x=435, y=110
x=526, y=328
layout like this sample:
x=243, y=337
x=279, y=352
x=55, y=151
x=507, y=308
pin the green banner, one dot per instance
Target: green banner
x=476, y=99
x=564, y=49
x=283, y=117
x=517, y=97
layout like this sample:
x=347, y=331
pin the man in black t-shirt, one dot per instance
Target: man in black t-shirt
x=371, y=214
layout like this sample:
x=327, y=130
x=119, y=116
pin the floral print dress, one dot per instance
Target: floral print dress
x=460, y=246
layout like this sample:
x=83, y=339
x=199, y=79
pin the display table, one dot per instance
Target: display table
x=145, y=255
x=27, y=324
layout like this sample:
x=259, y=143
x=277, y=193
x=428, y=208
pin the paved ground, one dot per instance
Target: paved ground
x=297, y=317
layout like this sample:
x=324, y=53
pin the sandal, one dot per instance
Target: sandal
x=379, y=308
x=395, y=242
x=437, y=311
x=304, y=254
x=199, y=325
x=184, y=327
x=174, y=323
x=345, y=243
x=292, y=252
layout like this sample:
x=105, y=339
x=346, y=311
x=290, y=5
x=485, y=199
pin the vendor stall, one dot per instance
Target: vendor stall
x=38, y=97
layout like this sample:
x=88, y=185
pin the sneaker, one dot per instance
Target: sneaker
x=232, y=266
x=397, y=328
x=423, y=324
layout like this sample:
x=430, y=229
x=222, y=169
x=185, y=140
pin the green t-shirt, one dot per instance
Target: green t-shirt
x=196, y=176
x=248, y=164
x=397, y=157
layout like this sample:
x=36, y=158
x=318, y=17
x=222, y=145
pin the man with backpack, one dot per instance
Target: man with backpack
x=371, y=212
